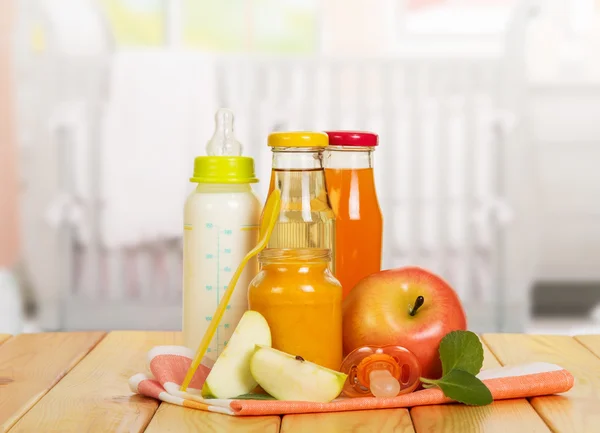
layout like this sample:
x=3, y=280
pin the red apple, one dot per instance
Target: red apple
x=383, y=309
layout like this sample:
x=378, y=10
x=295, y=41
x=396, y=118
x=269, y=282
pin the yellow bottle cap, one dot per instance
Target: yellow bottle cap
x=298, y=139
x=224, y=169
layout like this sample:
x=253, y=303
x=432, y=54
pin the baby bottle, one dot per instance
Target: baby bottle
x=220, y=226
x=348, y=164
x=306, y=219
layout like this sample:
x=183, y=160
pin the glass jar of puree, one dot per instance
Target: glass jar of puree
x=302, y=302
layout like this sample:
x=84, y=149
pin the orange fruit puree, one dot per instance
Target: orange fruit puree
x=359, y=224
x=301, y=301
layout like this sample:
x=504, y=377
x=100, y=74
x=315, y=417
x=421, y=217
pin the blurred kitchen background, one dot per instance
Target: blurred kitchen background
x=488, y=167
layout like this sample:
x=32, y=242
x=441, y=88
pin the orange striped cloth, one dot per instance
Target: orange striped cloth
x=169, y=364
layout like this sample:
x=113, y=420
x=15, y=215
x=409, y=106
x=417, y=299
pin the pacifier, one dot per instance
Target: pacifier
x=380, y=371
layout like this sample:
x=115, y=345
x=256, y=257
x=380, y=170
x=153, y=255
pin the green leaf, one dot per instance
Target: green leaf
x=463, y=387
x=461, y=350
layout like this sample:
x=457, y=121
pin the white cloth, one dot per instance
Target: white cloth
x=159, y=116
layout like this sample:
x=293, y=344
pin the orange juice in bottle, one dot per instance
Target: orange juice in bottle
x=350, y=181
x=301, y=300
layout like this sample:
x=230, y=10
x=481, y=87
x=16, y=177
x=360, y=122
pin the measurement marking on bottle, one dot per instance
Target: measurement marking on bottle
x=224, y=250
x=218, y=300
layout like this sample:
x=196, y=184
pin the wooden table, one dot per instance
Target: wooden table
x=77, y=382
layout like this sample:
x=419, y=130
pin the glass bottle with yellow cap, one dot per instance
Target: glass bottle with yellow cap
x=306, y=219
x=220, y=226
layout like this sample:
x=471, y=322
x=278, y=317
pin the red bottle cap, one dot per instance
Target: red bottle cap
x=352, y=138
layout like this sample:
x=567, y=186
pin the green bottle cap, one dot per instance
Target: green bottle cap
x=224, y=169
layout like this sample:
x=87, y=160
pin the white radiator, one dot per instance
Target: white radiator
x=442, y=131
x=439, y=169
x=451, y=170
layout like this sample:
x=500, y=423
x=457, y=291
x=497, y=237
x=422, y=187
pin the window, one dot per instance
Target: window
x=135, y=22
x=282, y=26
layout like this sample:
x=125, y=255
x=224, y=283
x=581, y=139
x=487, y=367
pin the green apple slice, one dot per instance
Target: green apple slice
x=286, y=377
x=230, y=376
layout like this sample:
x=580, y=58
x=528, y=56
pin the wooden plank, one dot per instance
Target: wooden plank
x=3, y=338
x=95, y=395
x=575, y=411
x=500, y=416
x=489, y=360
x=177, y=419
x=31, y=364
x=364, y=421
x=591, y=342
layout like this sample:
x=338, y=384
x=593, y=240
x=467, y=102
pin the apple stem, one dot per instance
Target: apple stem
x=418, y=304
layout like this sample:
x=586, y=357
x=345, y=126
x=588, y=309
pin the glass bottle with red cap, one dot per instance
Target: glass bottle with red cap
x=348, y=162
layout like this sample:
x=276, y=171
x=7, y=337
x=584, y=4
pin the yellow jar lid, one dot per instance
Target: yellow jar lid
x=298, y=139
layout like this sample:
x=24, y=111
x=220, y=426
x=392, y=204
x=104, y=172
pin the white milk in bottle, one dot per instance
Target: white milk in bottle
x=220, y=226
